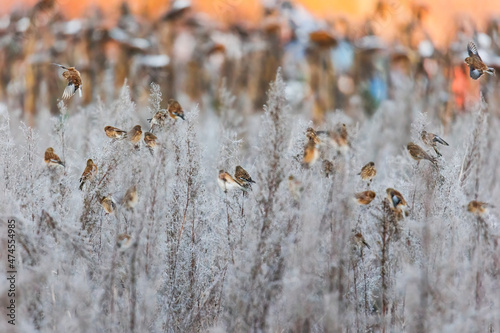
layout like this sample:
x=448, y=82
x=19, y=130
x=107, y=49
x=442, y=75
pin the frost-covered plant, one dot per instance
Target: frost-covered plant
x=281, y=257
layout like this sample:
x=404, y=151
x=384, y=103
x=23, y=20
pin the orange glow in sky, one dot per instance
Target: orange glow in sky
x=439, y=22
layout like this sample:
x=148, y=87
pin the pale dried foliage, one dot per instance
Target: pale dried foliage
x=202, y=260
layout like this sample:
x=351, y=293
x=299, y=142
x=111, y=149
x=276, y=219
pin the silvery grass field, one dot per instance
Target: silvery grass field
x=296, y=252
x=272, y=260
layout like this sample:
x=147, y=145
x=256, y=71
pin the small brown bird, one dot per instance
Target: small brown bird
x=115, y=133
x=131, y=198
x=175, y=109
x=242, y=177
x=312, y=136
x=158, y=120
x=475, y=63
x=431, y=140
x=477, y=207
x=368, y=172
x=226, y=182
x=74, y=81
x=418, y=154
x=328, y=168
x=340, y=139
x=365, y=197
x=360, y=240
x=398, y=203
x=108, y=203
x=150, y=140
x=51, y=158
x=89, y=173
x=123, y=242
x=311, y=154
x=135, y=134
x=295, y=187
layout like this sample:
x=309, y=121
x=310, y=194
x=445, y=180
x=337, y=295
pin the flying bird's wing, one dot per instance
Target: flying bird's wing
x=472, y=49
x=69, y=91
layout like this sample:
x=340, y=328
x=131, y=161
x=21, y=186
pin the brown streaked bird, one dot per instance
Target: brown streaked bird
x=477, y=207
x=365, y=197
x=418, y=154
x=360, y=240
x=150, y=140
x=115, y=133
x=368, y=172
x=242, y=177
x=51, y=158
x=328, y=168
x=108, y=203
x=312, y=135
x=89, y=173
x=227, y=183
x=311, y=154
x=158, y=119
x=135, y=134
x=398, y=203
x=475, y=63
x=431, y=140
x=340, y=138
x=123, y=242
x=131, y=198
x=74, y=81
x=175, y=109
x=295, y=187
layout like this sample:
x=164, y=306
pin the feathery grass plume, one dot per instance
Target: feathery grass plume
x=472, y=156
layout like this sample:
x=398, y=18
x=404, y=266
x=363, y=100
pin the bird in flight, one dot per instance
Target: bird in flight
x=74, y=81
x=476, y=65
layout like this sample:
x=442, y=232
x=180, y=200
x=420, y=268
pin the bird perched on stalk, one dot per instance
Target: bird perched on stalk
x=89, y=173
x=295, y=187
x=368, y=172
x=123, y=241
x=418, y=154
x=131, y=198
x=312, y=135
x=115, y=133
x=108, y=203
x=226, y=182
x=74, y=81
x=431, y=140
x=328, y=168
x=475, y=63
x=51, y=159
x=397, y=202
x=242, y=177
x=360, y=240
x=365, y=197
x=311, y=154
x=477, y=207
x=340, y=139
x=134, y=135
x=175, y=109
x=150, y=141
x=158, y=119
